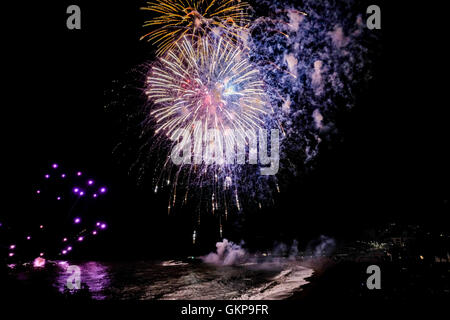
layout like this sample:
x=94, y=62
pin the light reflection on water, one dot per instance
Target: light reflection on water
x=95, y=275
x=176, y=280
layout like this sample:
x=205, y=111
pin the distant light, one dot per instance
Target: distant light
x=65, y=239
x=11, y=254
x=64, y=251
x=41, y=254
x=69, y=248
x=76, y=190
x=103, y=190
x=47, y=176
x=79, y=173
x=90, y=182
x=12, y=247
x=28, y=237
x=63, y=175
x=41, y=227
x=80, y=238
x=103, y=226
x=39, y=262
x=77, y=220
x=38, y=191
x=98, y=224
x=1, y=224
x=94, y=195
x=421, y=257
x=55, y=165
x=58, y=198
x=81, y=193
x=94, y=232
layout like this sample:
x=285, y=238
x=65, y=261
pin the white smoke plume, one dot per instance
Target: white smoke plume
x=323, y=246
x=228, y=253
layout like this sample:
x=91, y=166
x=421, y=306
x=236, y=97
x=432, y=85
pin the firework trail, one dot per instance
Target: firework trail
x=175, y=19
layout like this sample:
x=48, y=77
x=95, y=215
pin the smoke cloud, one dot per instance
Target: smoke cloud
x=323, y=246
x=228, y=253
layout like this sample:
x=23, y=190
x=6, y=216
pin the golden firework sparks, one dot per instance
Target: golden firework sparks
x=174, y=19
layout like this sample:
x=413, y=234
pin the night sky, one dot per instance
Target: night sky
x=384, y=164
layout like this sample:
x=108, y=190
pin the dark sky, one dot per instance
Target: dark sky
x=385, y=163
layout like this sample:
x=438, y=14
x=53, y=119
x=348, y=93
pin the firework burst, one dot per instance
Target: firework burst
x=288, y=71
x=175, y=19
x=212, y=84
x=202, y=87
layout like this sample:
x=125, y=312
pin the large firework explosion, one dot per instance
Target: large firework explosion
x=201, y=86
x=175, y=19
x=212, y=84
x=311, y=60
